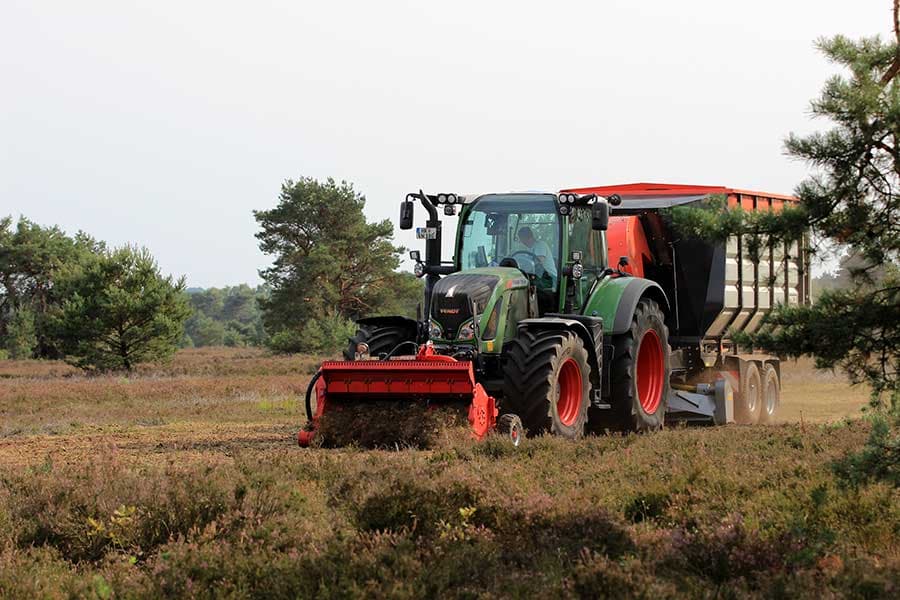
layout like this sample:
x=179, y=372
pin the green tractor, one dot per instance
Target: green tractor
x=560, y=338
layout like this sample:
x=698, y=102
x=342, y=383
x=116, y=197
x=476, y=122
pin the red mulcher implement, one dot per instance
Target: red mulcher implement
x=426, y=377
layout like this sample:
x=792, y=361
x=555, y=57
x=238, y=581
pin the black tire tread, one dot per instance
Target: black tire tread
x=380, y=338
x=529, y=377
x=626, y=414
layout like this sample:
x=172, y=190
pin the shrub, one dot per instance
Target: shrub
x=731, y=550
x=647, y=506
x=326, y=335
x=598, y=576
x=879, y=459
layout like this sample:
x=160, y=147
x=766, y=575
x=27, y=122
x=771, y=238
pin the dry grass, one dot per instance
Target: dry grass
x=814, y=396
x=185, y=481
x=205, y=385
x=35, y=369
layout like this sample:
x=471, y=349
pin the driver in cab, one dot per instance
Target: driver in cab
x=540, y=249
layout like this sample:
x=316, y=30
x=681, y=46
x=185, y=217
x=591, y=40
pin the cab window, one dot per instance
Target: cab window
x=513, y=229
x=583, y=238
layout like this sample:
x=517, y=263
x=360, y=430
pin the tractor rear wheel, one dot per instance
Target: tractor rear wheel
x=381, y=339
x=546, y=381
x=640, y=373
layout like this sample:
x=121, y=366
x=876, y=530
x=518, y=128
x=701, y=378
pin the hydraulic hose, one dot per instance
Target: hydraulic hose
x=390, y=354
x=312, y=384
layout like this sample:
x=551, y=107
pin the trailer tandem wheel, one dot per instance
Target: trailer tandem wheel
x=771, y=394
x=748, y=404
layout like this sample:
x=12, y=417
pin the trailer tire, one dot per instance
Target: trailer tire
x=640, y=374
x=380, y=338
x=771, y=394
x=546, y=381
x=749, y=402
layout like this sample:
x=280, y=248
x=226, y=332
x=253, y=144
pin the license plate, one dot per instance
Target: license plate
x=426, y=233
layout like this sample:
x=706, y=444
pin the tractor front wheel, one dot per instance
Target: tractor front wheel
x=546, y=382
x=380, y=339
x=640, y=373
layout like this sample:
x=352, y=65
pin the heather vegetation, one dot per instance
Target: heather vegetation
x=185, y=480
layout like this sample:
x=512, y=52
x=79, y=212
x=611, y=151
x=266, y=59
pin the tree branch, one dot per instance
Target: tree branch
x=895, y=65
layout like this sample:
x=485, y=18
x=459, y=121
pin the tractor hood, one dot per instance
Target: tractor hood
x=458, y=298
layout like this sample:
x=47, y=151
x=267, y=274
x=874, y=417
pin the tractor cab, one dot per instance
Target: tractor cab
x=515, y=231
x=517, y=256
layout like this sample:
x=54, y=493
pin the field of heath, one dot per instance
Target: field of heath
x=184, y=480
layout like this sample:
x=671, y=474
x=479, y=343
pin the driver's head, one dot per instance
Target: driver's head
x=526, y=237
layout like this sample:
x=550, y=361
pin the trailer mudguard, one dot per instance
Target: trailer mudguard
x=589, y=329
x=615, y=299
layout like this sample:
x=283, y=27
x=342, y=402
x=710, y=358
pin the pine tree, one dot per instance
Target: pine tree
x=330, y=264
x=119, y=310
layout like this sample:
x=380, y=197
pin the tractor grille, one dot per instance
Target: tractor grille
x=453, y=297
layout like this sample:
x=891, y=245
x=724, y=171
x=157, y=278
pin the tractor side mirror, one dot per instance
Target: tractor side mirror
x=600, y=215
x=406, y=214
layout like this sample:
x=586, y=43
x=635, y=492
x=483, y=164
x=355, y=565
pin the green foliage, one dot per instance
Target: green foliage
x=406, y=295
x=21, y=338
x=711, y=219
x=849, y=200
x=31, y=257
x=855, y=329
x=228, y=316
x=204, y=331
x=325, y=335
x=120, y=311
x=328, y=263
x=879, y=459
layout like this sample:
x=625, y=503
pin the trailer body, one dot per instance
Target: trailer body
x=715, y=289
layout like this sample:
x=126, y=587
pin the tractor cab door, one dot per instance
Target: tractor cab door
x=536, y=238
x=590, y=242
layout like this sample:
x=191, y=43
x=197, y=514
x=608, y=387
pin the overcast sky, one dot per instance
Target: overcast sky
x=166, y=123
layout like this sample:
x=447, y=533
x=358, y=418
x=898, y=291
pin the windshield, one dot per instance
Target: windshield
x=514, y=230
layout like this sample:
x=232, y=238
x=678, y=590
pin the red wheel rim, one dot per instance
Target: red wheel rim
x=650, y=372
x=568, y=404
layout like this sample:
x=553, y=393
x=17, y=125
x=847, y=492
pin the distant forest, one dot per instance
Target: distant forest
x=228, y=316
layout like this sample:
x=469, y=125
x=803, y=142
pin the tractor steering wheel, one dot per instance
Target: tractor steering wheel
x=532, y=256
